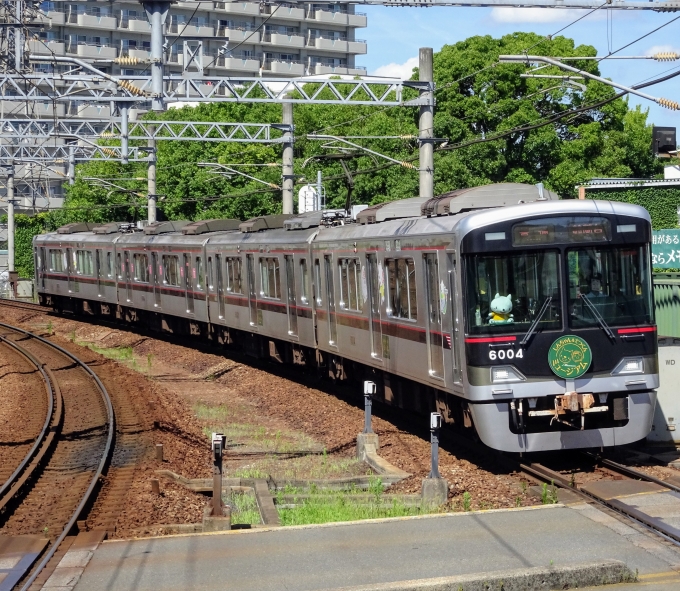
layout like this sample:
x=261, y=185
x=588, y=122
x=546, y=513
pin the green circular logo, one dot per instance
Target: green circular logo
x=569, y=357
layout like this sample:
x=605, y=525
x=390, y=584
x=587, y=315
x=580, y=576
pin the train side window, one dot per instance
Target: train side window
x=401, y=282
x=304, y=275
x=211, y=285
x=56, y=261
x=200, y=280
x=171, y=270
x=350, y=287
x=119, y=265
x=141, y=265
x=83, y=263
x=271, y=278
x=317, y=281
x=234, y=283
x=109, y=264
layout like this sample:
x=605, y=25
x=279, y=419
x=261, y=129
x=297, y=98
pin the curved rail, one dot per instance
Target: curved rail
x=102, y=463
x=50, y=411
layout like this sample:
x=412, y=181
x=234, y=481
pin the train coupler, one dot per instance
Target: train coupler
x=570, y=407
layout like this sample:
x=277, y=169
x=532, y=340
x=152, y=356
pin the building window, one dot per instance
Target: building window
x=141, y=264
x=271, y=280
x=350, y=284
x=171, y=270
x=401, y=281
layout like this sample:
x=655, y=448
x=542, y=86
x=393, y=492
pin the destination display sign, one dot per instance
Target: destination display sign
x=562, y=230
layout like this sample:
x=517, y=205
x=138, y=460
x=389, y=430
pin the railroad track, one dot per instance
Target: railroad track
x=24, y=305
x=626, y=491
x=57, y=480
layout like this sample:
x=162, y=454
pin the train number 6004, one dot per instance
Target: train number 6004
x=506, y=354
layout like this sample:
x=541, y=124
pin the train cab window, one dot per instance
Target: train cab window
x=350, y=284
x=613, y=283
x=141, y=267
x=109, y=264
x=507, y=292
x=83, y=263
x=171, y=270
x=401, y=282
x=56, y=261
x=211, y=284
x=270, y=277
x=317, y=281
x=304, y=276
x=200, y=279
x=234, y=284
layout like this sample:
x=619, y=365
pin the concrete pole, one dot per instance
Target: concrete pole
x=426, y=133
x=18, y=36
x=151, y=180
x=71, y=166
x=318, y=206
x=288, y=179
x=156, y=12
x=124, y=112
x=10, y=218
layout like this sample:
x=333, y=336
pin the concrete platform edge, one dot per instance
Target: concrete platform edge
x=525, y=579
x=260, y=530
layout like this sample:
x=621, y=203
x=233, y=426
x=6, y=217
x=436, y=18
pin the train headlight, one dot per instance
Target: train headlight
x=630, y=365
x=503, y=374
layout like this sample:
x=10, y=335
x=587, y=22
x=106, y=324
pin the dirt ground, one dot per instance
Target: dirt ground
x=278, y=422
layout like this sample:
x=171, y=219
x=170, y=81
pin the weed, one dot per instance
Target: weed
x=523, y=484
x=250, y=472
x=572, y=481
x=149, y=360
x=518, y=501
x=50, y=328
x=376, y=488
x=244, y=508
x=467, y=501
x=549, y=495
x=72, y=336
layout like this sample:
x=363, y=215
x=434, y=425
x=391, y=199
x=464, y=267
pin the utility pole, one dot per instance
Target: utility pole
x=288, y=178
x=10, y=218
x=71, y=166
x=157, y=13
x=151, y=182
x=18, y=36
x=425, y=125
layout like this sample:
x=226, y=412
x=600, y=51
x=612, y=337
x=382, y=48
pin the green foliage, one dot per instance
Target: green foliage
x=25, y=228
x=661, y=202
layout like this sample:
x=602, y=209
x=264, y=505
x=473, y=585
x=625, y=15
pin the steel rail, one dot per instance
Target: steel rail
x=48, y=419
x=102, y=464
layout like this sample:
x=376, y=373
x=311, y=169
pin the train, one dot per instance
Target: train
x=522, y=318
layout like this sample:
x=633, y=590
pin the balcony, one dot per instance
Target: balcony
x=357, y=71
x=357, y=46
x=96, y=51
x=190, y=30
x=93, y=111
x=140, y=54
x=323, y=69
x=45, y=47
x=192, y=5
x=285, y=13
x=238, y=64
x=358, y=19
x=335, y=18
x=135, y=25
x=251, y=8
x=51, y=17
x=329, y=44
x=284, y=40
x=97, y=22
x=285, y=68
x=239, y=35
x=46, y=109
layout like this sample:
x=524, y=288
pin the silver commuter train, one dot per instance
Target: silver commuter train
x=414, y=296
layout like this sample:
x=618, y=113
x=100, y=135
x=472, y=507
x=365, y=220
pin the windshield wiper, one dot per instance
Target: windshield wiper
x=534, y=324
x=597, y=316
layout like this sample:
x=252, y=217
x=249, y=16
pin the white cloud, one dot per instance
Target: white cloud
x=539, y=15
x=401, y=71
x=662, y=49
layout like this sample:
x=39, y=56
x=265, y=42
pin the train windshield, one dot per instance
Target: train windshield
x=615, y=282
x=507, y=292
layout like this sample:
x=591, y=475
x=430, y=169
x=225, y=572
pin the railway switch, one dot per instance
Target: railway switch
x=369, y=392
x=435, y=427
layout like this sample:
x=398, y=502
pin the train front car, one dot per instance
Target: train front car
x=560, y=337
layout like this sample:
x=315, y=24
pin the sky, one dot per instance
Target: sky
x=395, y=34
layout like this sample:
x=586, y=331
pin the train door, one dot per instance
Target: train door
x=128, y=271
x=188, y=284
x=70, y=271
x=436, y=305
x=220, y=285
x=42, y=265
x=157, y=275
x=330, y=301
x=455, y=320
x=373, y=285
x=98, y=270
x=252, y=294
x=292, y=302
